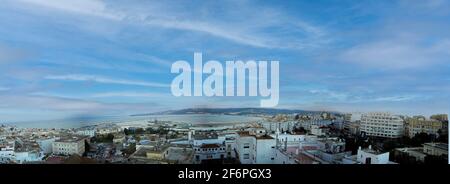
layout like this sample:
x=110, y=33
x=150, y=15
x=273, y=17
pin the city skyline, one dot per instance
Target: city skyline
x=62, y=59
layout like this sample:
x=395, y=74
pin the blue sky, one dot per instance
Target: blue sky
x=64, y=58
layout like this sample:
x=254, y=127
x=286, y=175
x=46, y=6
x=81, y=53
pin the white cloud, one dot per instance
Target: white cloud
x=161, y=16
x=101, y=79
x=86, y=7
x=397, y=54
x=52, y=103
x=396, y=98
x=127, y=94
x=333, y=95
x=68, y=106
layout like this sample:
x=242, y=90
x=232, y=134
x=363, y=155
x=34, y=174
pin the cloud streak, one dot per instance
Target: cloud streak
x=105, y=80
x=128, y=94
x=396, y=54
x=167, y=18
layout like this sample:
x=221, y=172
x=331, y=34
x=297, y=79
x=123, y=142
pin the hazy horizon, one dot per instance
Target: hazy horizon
x=61, y=58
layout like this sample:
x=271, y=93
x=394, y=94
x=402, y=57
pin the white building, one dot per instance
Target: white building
x=286, y=139
x=308, y=124
x=7, y=156
x=382, y=125
x=20, y=157
x=370, y=156
x=319, y=131
x=209, y=152
x=46, y=145
x=230, y=144
x=255, y=147
x=272, y=127
x=199, y=140
x=28, y=156
x=86, y=132
x=108, y=129
x=69, y=146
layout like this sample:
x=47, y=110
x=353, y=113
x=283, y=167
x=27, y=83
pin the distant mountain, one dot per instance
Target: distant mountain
x=228, y=111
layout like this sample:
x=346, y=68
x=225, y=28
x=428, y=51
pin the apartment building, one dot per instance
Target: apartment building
x=255, y=147
x=382, y=124
x=69, y=146
x=419, y=124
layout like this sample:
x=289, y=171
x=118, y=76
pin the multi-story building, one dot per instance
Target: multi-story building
x=308, y=124
x=209, y=152
x=286, y=139
x=352, y=127
x=418, y=124
x=163, y=154
x=440, y=117
x=46, y=144
x=381, y=124
x=86, y=132
x=255, y=147
x=444, y=119
x=347, y=117
x=352, y=123
x=319, y=131
x=435, y=149
x=284, y=126
x=69, y=146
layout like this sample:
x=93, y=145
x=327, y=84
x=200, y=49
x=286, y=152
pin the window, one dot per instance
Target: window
x=247, y=145
x=247, y=156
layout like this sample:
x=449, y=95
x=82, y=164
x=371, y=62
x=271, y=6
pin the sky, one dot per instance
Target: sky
x=65, y=59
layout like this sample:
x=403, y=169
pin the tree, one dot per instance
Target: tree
x=137, y=138
x=139, y=131
x=103, y=138
x=443, y=136
x=110, y=137
x=130, y=150
x=87, y=147
x=421, y=138
x=300, y=130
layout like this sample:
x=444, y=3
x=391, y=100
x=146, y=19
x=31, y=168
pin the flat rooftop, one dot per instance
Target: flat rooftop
x=70, y=139
x=438, y=145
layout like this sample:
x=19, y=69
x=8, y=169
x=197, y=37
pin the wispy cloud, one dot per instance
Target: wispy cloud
x=86, y=7
x=333, y=95
x=51, y=103
x=397, y=54
x=376, y=53
x=396, y=98
x=326, y=95
x=102, y=79
x=164, y=17
x=127, y=94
